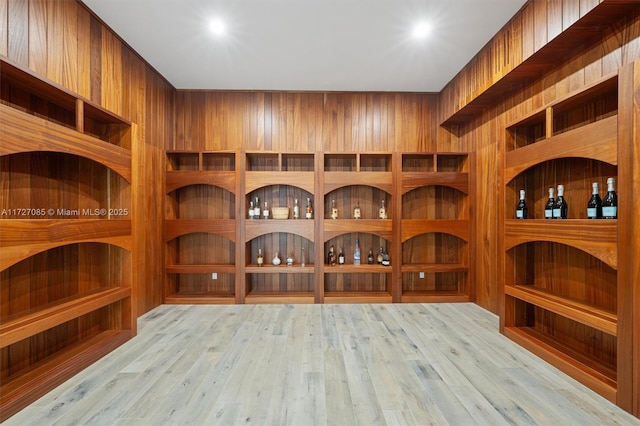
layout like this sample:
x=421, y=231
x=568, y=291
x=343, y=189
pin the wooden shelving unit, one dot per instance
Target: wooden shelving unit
x=65, y=235
x=428, y=202
x=563, y=288
x=279, y=179
x=200, y=227
x=364, y=179
x=436, y=227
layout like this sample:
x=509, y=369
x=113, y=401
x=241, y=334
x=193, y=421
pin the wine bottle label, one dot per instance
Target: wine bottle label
x=356, y=213
x=592, y=213
x=520, y=214
x=383, y=213
x=610, y=212
x=265, y=213
x=334, y=213
x=548, y=214
x=557, y=213
x=307, y=215
x=341, y=260
x=296, y=212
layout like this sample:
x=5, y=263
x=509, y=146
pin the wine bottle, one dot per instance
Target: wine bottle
x=560, y=208
x=341, y=257
x=548, y=208
x=594, y=206
x=334, y=210
x=370, y=257
x=296, y=209
x=251, y=210
x=265, y=211
x=356, y=211
x=610, y=202
x=309, y=213
x=260, y=258
x=521, y=207
x=331, y=257
x=382, y=212
x=303, y=259
x=356, y=254
x=380, y=256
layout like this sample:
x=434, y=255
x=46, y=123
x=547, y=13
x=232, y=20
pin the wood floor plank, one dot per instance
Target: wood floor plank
x=321, y=364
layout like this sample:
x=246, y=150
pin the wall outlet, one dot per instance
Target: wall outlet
x=214, y=276
x=421, y=275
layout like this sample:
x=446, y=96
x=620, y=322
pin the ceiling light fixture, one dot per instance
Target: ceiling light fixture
x=217, y=27
x=421, y=30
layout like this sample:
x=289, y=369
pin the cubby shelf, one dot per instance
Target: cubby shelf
x=78, y=153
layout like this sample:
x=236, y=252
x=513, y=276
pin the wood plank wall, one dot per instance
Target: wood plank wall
x=64, y=42
x=306, y=122
x=620, y=46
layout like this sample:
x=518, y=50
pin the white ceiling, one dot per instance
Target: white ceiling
x=314, y=45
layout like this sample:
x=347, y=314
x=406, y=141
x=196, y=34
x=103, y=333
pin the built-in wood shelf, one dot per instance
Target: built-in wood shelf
x=596, y=237
x=590, y=315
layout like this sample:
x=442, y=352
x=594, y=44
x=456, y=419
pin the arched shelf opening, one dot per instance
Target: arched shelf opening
x=63, y=273
x=79, y=184
x=434, y=202
x=576, y=175
x=368, y=197
x=201, y=201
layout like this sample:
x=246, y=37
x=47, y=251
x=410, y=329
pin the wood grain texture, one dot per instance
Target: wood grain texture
x=321, y=364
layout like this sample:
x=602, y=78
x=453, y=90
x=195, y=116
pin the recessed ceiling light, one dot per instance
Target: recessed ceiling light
x=216, y=26
x=421, y=30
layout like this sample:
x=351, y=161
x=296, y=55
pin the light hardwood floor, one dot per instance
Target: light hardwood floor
x=321, y=364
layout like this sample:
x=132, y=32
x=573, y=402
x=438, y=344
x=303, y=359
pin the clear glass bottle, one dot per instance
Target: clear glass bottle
x=251, y=210
x=356, y=211
x=356, y=254
x=265, y=211
x=290, y=259
x=331, y=256
x=334, y=210
x=296, y=209
x=560, y=208
x=303, y=259
x=276, y=260
x=548, y=208
x=386, y=261
x=382, y=212
x=521, y=207
x=594, y=206
x=260, y=258
x=309, y=213
x=256, y=212
x=610, y=201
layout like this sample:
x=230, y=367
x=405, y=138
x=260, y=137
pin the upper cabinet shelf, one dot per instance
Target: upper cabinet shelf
x=186, y=168
x=582, y=124
x=349, y=169
x=24, y=91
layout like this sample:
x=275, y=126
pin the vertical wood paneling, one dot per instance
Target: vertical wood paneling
x=539, y=24
x=111, y=72
x=38, y=48
x=84, y=53
x=4, y=26
x=18, y=27
x=554, y=19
